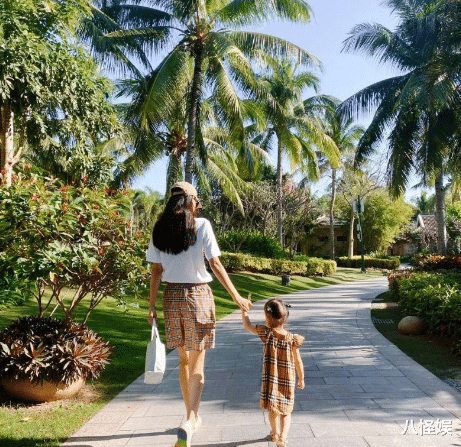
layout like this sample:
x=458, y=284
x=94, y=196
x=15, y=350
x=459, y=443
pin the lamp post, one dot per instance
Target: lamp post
x=359, y=208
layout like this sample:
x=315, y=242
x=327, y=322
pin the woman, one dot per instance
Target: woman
x=179, y=242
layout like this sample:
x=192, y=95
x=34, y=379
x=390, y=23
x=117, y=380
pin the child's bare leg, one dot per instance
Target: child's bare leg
x=274, y=421
x=285, y=420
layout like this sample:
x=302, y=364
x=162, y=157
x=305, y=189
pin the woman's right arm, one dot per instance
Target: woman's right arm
x=155, y=280
x=223, y=277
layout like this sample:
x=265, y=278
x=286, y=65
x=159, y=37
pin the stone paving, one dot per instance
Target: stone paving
x=361, y=391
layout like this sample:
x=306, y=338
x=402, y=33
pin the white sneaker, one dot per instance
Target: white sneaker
x=198, y=423
x=185, y=431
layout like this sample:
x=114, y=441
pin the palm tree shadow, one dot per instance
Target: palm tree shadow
x=236, y=443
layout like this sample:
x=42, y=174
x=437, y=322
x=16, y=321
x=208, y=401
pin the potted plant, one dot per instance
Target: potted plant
x=69, y=247
x=44, y=359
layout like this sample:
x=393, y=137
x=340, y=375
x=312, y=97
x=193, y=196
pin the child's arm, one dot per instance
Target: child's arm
x=299, y=368
x=247, y=323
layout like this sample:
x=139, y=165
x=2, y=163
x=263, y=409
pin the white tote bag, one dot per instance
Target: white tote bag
x=155, y=358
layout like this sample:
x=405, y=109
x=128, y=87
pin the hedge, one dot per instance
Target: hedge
x=437, y=262
x=434, y=297
x=379, y=263
x=241, y=261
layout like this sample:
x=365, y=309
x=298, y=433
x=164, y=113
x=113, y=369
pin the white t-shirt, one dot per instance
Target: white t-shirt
x=188, y=266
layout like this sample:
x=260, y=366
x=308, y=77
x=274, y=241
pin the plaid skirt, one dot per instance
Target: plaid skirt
x=190, y=320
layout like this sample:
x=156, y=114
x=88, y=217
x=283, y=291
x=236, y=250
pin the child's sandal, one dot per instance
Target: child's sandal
x=281, y=442
x=274, y=436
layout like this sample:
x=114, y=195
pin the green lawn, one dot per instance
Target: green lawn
x=48, y=425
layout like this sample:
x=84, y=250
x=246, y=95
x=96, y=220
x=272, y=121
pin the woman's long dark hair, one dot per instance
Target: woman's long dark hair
x=175, y=230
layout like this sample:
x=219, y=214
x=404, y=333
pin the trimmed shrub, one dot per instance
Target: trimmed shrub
x=436, y=298
x=356, y=262
x=256, y=244
x=242, y=261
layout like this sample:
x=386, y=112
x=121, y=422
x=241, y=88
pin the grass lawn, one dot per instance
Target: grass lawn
x=48, y=425
x=432, y=352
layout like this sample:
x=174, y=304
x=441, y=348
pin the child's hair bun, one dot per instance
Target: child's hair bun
x=277, y=310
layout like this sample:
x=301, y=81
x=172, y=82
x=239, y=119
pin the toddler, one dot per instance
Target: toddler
x=281, y=363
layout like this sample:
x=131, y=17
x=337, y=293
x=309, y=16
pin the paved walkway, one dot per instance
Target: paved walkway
x=361, y=391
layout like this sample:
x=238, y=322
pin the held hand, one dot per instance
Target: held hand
x=300, y=384
x=244, y=304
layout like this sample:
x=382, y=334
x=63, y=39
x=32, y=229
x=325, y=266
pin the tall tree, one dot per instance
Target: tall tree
x=420, y=107
x=287, y=125
x=344, y=134
x=51, y=91
x=209, y=51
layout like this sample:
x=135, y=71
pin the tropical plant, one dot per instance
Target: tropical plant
x=209, y=53
x=58, y=351
x=345, y=135
x=70, y=246
x=216, y=159
x=51, y=92
x=287, y=125
x=420, y=107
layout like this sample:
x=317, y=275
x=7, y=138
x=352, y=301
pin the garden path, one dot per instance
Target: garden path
x=361, y=391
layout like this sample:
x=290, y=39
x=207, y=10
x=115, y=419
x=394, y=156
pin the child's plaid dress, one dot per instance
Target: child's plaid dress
x=278, y=373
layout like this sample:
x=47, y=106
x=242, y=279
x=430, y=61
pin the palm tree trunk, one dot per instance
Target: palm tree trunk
x=350, y=246
x=7, y=139
x=440, y=214
x=279, y=191
x=193, y=112
x=332, y=217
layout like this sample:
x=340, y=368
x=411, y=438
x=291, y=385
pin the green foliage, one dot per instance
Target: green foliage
x=72, y=241
x=253, y=243
x=437, y=262
x=59, y=351
x=383, y=220
x=313, y=266
x=436, y=298
x=390, y=263
x=57, y=97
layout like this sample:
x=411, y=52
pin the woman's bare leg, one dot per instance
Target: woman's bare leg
x=184, y=377
x=196, y=382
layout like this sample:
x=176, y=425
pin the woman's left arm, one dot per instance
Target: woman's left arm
x=155, y=281
x=223, y=278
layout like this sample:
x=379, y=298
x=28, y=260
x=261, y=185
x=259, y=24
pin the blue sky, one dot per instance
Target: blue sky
x=343, y=73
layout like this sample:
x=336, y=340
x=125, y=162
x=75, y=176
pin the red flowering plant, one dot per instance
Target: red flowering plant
x=66, y=243
x=68, y=247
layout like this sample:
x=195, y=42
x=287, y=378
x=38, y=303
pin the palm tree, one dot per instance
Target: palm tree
x=208, y=51
x=287, y=124
x=216, y=158
x=344, y=134
x=420, y=107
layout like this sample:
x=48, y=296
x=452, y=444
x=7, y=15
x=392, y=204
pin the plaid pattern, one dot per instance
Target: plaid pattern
x=278, y=373
x=189, y=312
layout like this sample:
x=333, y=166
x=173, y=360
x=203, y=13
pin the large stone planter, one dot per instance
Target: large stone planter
x=41, y=392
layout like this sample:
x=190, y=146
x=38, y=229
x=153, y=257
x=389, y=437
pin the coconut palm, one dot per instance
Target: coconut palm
x=419, y=107
x=208, y=51
x=343, y=133
x=288, y=126
x=216, y=158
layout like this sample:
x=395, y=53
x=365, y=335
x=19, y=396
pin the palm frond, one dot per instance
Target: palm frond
x=252, y=44
x=377, y=41
x=370, y=97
